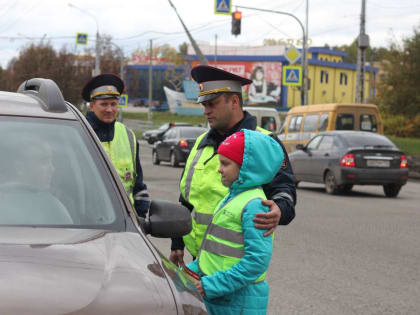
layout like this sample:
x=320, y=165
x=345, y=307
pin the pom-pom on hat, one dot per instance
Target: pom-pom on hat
x=233, y=147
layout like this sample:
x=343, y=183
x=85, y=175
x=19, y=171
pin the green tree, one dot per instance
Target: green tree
x=399, y=91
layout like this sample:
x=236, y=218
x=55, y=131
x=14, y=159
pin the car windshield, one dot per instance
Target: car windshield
x=366, y=139
x=191, y=132
x=164, y=126
x=50, y=175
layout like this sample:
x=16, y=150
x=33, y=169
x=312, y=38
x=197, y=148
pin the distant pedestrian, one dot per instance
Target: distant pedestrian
x=235, y=255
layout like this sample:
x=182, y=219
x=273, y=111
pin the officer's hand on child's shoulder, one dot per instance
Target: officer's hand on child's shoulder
x=268, y=220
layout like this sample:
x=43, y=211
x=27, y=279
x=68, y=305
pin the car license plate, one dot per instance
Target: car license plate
x=377, y=163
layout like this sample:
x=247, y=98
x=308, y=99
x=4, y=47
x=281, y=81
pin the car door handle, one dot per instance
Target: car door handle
x=326, y=154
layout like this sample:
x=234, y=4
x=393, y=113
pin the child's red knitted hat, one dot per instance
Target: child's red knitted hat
x=233, y=147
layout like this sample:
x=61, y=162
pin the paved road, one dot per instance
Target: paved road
x=354, y=254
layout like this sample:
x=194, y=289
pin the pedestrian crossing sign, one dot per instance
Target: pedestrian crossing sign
x=292, y=75
x=82, y=38
x=123, y=100
x=222, y=7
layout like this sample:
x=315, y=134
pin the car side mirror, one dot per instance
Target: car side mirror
x=167, y=219
x=300, y=146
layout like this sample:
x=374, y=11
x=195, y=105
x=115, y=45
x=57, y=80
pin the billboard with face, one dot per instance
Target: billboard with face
x=266, y=79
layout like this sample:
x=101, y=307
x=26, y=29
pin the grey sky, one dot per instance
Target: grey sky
x=132, y=23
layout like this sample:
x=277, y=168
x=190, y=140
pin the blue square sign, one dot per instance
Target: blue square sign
x=222, y=6
x=292, y=75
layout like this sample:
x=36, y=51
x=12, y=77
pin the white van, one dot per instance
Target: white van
x=267, y=117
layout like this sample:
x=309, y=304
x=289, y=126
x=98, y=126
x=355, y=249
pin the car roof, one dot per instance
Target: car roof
x=189, y=127
x=36, y=98
x=328, y=107
x=350, y=132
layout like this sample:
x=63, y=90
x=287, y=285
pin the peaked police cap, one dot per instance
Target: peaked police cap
x=214, y=81
x=106, y=85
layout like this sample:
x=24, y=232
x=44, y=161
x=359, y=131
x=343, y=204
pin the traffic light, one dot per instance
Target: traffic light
x=236, y=23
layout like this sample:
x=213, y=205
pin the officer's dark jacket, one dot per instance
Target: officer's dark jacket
x=282, y=189
x=105, y=133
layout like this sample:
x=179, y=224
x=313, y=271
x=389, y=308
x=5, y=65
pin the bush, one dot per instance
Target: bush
x=401, y=126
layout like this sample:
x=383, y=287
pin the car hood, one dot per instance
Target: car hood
x=76, y=271
x=153, y=132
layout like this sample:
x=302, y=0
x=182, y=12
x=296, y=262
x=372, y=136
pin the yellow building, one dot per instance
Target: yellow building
x=330, y=79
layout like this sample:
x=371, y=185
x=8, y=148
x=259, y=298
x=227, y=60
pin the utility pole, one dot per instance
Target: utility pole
x=97, y=54
x=363, y=43
x=215, y=50
x=201, y=57
x=305, y=73
x=149, y=113
x=97, y=70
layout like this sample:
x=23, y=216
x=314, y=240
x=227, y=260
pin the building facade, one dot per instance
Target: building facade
x=331, y=80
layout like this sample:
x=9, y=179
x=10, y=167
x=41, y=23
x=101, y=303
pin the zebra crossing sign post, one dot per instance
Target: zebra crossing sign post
x=292, y=75
x=223, y=7
x=123, y=102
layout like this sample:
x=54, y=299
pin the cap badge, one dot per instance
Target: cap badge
x=109, y=88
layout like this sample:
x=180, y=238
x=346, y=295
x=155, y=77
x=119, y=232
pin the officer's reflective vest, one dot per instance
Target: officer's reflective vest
x=122, y=152
x=223, y=244
x=202, y=187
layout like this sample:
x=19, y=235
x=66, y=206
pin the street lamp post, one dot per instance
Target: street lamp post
x=304, y=90
x=97, y=70
x=121, y=53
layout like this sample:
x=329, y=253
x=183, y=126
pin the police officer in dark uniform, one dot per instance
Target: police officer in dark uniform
x=103, y=93
x=200, y=185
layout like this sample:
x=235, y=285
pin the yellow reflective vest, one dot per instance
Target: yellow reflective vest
x=202, y=187
x=223, y=244
x=122, y=152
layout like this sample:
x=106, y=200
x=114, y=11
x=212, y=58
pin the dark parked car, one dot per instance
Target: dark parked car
x=151, y=136
x=176, y=144
x=341, y=159
x=70, y=241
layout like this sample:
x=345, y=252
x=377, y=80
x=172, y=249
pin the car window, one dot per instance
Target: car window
x=309, y=123
x=326, y=143
x=268, y=123
x=368, y=123
x=170, y=134
x=345, y=122
x=294, y=124
x=367, y=139
x=323, y=122
x=191, y=132
x=313, y=144
x=50, y=175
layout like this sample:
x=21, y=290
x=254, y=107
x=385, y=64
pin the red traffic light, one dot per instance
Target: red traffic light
x=237, y=15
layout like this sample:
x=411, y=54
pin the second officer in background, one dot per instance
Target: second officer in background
x=103, y=93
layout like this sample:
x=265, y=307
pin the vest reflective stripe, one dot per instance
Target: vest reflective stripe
x=190, y=174
x=120, y=151
x=202, y=187
x=226, y=234
x=221, y=249
x=223, y=244
x=132, y=139
x=202, y=218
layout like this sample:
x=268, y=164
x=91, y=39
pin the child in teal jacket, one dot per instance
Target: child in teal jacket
x=236, y=284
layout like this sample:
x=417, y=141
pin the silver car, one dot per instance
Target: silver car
x=70, y=241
